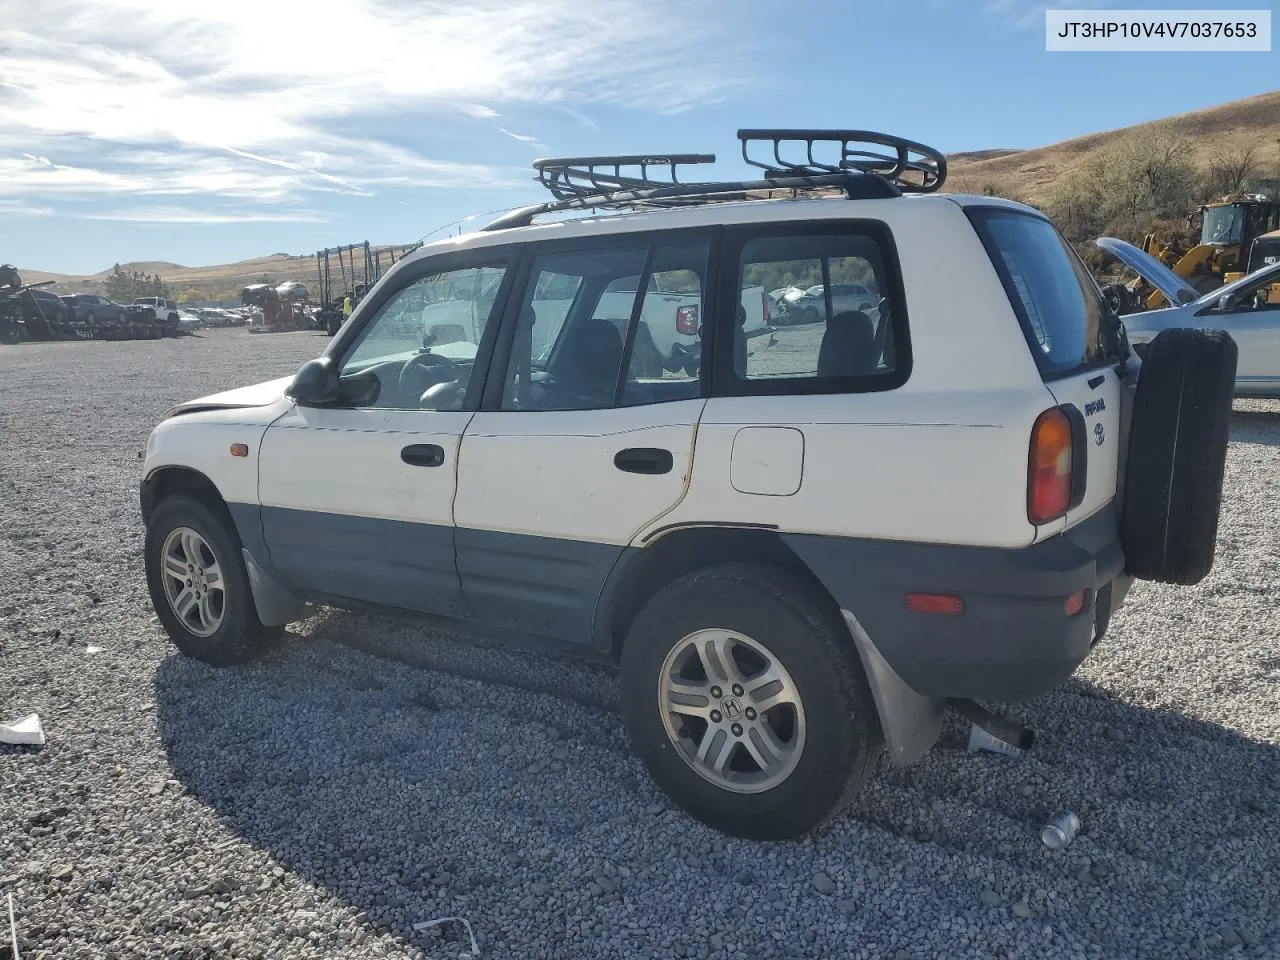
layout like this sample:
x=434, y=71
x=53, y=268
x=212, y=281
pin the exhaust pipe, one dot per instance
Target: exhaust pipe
x=1005, y=729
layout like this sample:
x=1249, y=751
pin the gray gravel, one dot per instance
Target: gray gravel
x=320, y=802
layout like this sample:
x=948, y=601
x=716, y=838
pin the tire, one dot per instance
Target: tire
x=1177, y=455
x=1120, y=298
x=239, y=634
x=1205, y=282
x=835, y=748
x=9, y=332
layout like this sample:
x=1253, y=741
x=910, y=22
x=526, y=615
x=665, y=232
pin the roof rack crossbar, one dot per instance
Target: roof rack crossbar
x=856, y=184
x=914, y=167
x=571, y=177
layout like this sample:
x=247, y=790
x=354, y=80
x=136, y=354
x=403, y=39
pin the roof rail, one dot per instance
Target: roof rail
x=583, y=183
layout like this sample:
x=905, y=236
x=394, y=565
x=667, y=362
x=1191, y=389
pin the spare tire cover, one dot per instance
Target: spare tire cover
x=1177, y=455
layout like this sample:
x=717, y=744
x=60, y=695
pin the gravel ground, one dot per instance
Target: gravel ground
x=321, y=801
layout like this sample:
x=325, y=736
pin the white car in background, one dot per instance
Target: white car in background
x=1240, y=308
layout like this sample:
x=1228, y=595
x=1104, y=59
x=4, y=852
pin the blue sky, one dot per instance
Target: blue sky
x=200, y=133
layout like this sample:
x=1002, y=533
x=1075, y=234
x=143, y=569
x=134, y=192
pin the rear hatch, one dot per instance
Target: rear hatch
x=1076, y=340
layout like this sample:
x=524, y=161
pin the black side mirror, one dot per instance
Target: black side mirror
x=316, y=383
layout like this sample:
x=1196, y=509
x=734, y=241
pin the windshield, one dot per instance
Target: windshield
x=1222, y=225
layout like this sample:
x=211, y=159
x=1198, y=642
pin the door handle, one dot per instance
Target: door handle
x=423, y=455
x=648, y=460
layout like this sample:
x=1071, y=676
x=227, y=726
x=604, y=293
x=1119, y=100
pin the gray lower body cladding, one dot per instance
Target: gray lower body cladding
x=1012, y=641
x=539, y=585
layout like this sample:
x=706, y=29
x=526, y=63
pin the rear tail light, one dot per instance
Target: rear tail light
x=1074, y=603
x=764, y=305
x=1049, y=467
x=687, y=321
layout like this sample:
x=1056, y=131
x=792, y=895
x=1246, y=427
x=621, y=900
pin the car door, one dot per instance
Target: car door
x=1244, y=309
x=357, y=496
x=574, y=451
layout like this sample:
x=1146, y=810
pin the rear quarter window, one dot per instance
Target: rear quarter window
x=847, y=334
x=1060, y=308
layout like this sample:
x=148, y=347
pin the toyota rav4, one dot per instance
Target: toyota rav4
x=799, y=547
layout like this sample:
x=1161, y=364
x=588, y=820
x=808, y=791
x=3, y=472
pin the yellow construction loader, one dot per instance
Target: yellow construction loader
x=1228, y=229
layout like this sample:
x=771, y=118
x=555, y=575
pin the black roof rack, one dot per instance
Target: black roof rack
x=569, y=178
x=913, y=167
x=583, y=183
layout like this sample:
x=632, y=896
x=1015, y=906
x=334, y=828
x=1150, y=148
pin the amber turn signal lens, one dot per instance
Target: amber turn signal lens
x=1049, y=467
x=239, y=449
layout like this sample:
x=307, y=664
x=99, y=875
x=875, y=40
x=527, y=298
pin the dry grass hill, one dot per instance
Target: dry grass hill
x=221, y=279
x=1031, y=175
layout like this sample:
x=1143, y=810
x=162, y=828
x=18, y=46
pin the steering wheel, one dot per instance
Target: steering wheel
x=416, y=373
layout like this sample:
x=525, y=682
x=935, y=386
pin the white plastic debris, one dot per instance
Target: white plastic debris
x=428, y=924
x=980, y=740
x=13, y=930
x=24, y=731
x=92, y=649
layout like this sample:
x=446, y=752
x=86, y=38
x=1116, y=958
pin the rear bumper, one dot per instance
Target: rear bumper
x=1013, y=639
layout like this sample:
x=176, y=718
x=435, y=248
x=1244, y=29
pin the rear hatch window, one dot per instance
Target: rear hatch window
x=1063, y=315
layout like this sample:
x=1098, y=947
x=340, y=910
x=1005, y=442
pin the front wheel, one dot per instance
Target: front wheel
x=199, y=586
x=745, y=699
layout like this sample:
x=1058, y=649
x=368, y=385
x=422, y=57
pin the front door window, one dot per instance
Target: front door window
x=418, y=351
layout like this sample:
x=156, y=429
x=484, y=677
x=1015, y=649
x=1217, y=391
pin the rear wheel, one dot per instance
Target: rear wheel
x=746, y=701
x=199, y=586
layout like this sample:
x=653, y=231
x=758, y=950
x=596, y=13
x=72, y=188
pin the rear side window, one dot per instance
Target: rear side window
x=1061, y=311
x=845, y=334
x=616, y=323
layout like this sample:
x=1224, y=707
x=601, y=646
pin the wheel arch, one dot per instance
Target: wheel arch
x=643, y=571
x=168, y=481
x=910, y=722
x=274, y=602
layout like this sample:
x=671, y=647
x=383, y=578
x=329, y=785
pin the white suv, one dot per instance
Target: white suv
x=798, y=546
x=166, y=311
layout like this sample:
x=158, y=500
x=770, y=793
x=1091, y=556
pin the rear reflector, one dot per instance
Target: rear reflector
x=687, y=321
x=934, y=603
x=1049, y=467
x=1075, y=603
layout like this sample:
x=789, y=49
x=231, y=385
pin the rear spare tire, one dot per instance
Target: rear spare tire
x=1177, y=455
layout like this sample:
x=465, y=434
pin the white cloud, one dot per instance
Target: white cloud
x=1028, y=14
x=17, y=208
x=188, y=215
x=254, y=101
x=523, y=138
